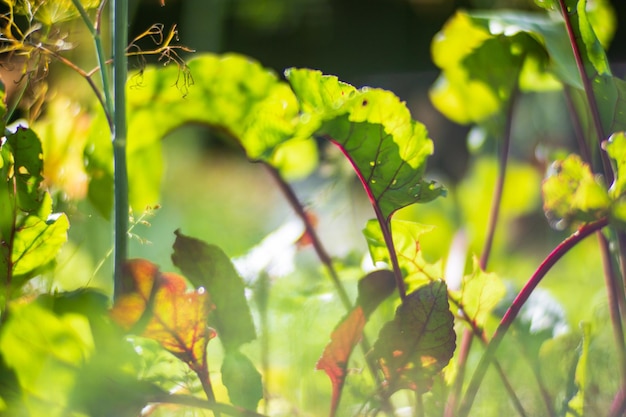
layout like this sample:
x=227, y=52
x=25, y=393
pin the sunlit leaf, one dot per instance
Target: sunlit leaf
x=480, y=293
x=578, y=387
x=38, y=239
x=406, y=237
x=46, y=352
x=375, y=131
x=208, y=267
x=616, y=149
x=63, y=131
x=334, y=360
x=231, y=93
x=28, y=167
x=609, y=91
x=420, y=341
x=373, y=289
x=242, y=380
x=572, y=193
x=482, y=57
x=176, y=318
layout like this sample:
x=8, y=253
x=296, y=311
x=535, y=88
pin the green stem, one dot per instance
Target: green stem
x=120, y=182
x=517, y=305
x=587, y=86
x=104, y=75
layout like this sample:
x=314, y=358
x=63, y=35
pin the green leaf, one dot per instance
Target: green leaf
x=233, y=94
x=609, y=91
x=28, y=168
x=37, y=240
x=375, y=131
x=576, y=402
x=242, y=380
x=572, y=193
x=374, y=288
x=406, y=237
x=480, y=293
x=45, y=351
x=483, y=57
x=616, y=149
x=420, y=341
x=207, y=266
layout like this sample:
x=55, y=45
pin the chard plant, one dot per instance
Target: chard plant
x=414, y=337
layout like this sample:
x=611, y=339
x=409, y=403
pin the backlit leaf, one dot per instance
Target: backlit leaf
x=28, y=167
x=375, y=131
x=616, y=149
x=208, y=267
x=231, y=93
x=242, y=380
x=175, y=317
x=420, y=341
x=406, y=238
x=46, y=352
x=576, y=401
x=572, y=193
x=38, y=239
x=483, y=56
x=373, y=289
x=334, y=360
x=480, y=293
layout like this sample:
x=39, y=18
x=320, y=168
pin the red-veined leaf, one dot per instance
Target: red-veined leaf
x=175, y=317
x=420, y=341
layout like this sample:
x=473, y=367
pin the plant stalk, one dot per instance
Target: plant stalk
x=591, y=98
x=489, y=355
x=325, y=258
x=494, y=214
x=119, y=132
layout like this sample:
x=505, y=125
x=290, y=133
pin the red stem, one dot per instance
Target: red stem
x=518, y=303
x=382, y=221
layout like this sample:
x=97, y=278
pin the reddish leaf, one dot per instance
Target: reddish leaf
x=420, y=341
x=175, y=317
x=373, y=289
x=334, y=360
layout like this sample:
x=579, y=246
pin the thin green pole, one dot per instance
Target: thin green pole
x=120, y=182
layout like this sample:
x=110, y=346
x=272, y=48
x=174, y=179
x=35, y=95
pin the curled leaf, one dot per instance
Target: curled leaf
x=375, y=131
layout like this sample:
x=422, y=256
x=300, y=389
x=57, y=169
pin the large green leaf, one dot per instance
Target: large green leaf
x=375, y=131
x=420, y=341
x=231, y=93
x=207, y=266
x=483, y=57
x=45, y=351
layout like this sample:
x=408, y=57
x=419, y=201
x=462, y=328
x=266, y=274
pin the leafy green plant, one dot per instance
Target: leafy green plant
x=146, y=346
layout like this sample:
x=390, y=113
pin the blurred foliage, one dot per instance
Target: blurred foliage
x=68, y=349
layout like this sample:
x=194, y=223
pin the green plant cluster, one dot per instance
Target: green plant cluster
x=414, y=336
